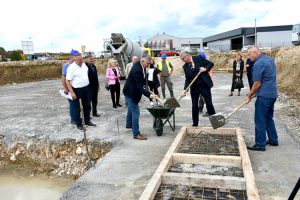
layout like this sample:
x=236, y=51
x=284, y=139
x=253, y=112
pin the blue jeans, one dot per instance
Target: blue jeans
x=263, y=118
x=133, y=114
x=72, y=109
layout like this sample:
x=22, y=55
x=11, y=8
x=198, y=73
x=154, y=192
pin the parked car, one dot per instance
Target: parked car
x=169, y=52
x=245, y=48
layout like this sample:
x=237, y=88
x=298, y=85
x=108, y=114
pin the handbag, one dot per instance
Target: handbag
x=238, y=83
x=107, y=87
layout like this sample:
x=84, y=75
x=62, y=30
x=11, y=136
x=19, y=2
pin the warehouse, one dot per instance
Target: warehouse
x=168, y=42
x=267, y=37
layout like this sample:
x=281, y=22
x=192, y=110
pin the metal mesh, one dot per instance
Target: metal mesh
x=178, y=192
x=210, y=144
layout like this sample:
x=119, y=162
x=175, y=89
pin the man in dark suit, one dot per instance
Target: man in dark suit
x=94, y=84
x=133, y=90
x=202, y=85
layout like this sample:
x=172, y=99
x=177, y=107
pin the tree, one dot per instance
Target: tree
x=16, y=55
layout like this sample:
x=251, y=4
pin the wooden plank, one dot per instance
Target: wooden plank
x=233, y=161
x=209, y=181
x=155, y=181
x=252, y=192
x=220, y=131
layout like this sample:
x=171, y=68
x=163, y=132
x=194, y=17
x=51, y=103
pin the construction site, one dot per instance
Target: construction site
x=41, y=150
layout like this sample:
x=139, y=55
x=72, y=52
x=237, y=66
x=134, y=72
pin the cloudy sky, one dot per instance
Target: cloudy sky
x=60, y=25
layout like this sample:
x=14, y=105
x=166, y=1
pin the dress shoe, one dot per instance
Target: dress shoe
x=140, y=137
x=195, y=125
x=230, y=94
x=256, y=148
x=96, y=115
x=271, y=144
x=114, y=106
x=119, y=105
x=90, y=124
x=128, y=127
x=80, y=127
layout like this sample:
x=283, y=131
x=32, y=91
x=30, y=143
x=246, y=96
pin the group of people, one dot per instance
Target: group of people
x=81, y=80
x=261, y=74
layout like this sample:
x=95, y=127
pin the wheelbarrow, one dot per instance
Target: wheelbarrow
x=161, y=116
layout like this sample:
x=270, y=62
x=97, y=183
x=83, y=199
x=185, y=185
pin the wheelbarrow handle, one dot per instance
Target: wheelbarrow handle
x=188, y=87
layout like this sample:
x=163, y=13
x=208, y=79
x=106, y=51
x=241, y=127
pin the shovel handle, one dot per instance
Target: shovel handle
x=236, y=109
x=191, y=83
x=159, y=99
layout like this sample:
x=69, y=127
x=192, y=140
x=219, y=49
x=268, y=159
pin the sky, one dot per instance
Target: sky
x=60, y=25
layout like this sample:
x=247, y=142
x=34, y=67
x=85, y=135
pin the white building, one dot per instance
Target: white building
x=169, y=42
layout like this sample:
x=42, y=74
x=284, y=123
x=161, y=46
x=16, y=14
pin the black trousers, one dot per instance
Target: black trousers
x=83, y=94
x=93, y=97
x=250, y=81
x=206, y=94
x=115, y=94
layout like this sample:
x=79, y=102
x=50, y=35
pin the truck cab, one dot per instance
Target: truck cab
x=296, y=34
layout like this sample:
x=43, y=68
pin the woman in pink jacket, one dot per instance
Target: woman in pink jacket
x=113, y=79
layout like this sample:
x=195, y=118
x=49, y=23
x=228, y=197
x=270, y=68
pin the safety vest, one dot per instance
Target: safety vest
x=159, y=66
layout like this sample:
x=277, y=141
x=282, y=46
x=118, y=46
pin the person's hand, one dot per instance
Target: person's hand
x=247, y=65
x=202, y=69
x=73, y=95
x=66, y=91
x=153, y=96
x=116, y=77
x=238, y=74
x=248, y=99
x=183, y=94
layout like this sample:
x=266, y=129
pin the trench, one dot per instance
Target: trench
x=44, y=170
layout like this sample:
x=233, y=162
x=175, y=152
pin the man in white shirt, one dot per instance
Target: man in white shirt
x=77, y=81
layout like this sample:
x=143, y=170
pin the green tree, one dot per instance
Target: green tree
x=16, y=55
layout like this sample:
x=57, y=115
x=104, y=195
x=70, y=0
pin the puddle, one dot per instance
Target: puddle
x=15, y=184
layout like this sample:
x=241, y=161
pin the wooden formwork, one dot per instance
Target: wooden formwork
x=162, y=176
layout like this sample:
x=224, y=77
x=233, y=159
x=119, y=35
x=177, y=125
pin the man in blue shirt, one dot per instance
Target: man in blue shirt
x=63, y=80
x=265, y=90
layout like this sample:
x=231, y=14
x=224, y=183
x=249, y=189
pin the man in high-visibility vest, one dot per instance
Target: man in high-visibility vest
x=166, y=70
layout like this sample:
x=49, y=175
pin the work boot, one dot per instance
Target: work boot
x=171, y=93
x=231, y=93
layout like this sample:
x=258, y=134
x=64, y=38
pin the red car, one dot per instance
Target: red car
x=169, y=53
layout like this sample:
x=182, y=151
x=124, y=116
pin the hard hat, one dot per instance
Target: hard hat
x=163, y=56
x=74, y=53
x=201, y=54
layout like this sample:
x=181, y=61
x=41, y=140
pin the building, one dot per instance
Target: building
x=266, y=37
x=168, y=42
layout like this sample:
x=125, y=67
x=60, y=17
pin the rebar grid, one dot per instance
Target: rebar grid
x=206, y=169
x=180, y=192
x=210, y=144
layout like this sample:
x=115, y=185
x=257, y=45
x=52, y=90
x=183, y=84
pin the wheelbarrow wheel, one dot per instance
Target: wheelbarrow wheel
x=159, y=126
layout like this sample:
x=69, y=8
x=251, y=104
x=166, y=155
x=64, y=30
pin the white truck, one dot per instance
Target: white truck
x=296, y=34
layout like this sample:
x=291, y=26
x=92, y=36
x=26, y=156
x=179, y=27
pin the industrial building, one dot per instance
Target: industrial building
x=168, y=42
x=266, y=37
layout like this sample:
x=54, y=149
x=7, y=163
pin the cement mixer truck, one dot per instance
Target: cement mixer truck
x=123, y=49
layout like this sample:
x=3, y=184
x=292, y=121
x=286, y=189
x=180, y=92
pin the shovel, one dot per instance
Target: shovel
x=89, y=163
x=219, y=119
x=173, y=102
